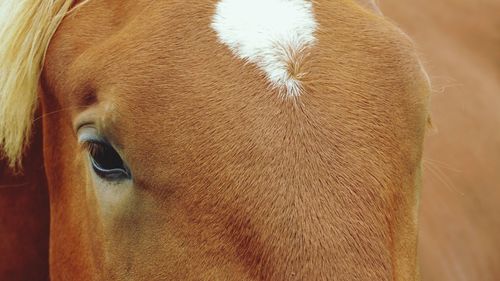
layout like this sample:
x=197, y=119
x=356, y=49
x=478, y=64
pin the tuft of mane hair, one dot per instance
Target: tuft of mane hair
x=26, y=28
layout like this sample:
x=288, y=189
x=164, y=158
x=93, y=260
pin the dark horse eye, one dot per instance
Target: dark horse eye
x=106, y=162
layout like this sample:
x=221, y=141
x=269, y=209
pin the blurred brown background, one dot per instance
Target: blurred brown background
x=459, y=41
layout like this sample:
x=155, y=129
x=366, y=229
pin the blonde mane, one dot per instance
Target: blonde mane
x=26, y=27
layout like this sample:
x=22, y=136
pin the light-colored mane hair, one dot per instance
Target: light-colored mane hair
x=26, y=27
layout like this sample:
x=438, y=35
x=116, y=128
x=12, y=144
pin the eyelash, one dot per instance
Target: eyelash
x=92, y=147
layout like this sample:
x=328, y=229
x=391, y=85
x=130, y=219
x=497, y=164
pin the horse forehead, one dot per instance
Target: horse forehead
x=282, y=38
x=272, y=35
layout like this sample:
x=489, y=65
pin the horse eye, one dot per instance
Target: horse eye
x=106, y=162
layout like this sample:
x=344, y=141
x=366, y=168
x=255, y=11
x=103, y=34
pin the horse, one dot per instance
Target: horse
x=217, y=140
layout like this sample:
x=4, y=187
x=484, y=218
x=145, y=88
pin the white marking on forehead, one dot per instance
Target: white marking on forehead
x=274, y=34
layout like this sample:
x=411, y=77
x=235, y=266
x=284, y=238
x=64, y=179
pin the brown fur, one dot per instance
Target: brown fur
x=232, y=182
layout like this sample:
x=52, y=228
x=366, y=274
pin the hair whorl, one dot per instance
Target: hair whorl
x=26, y=27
